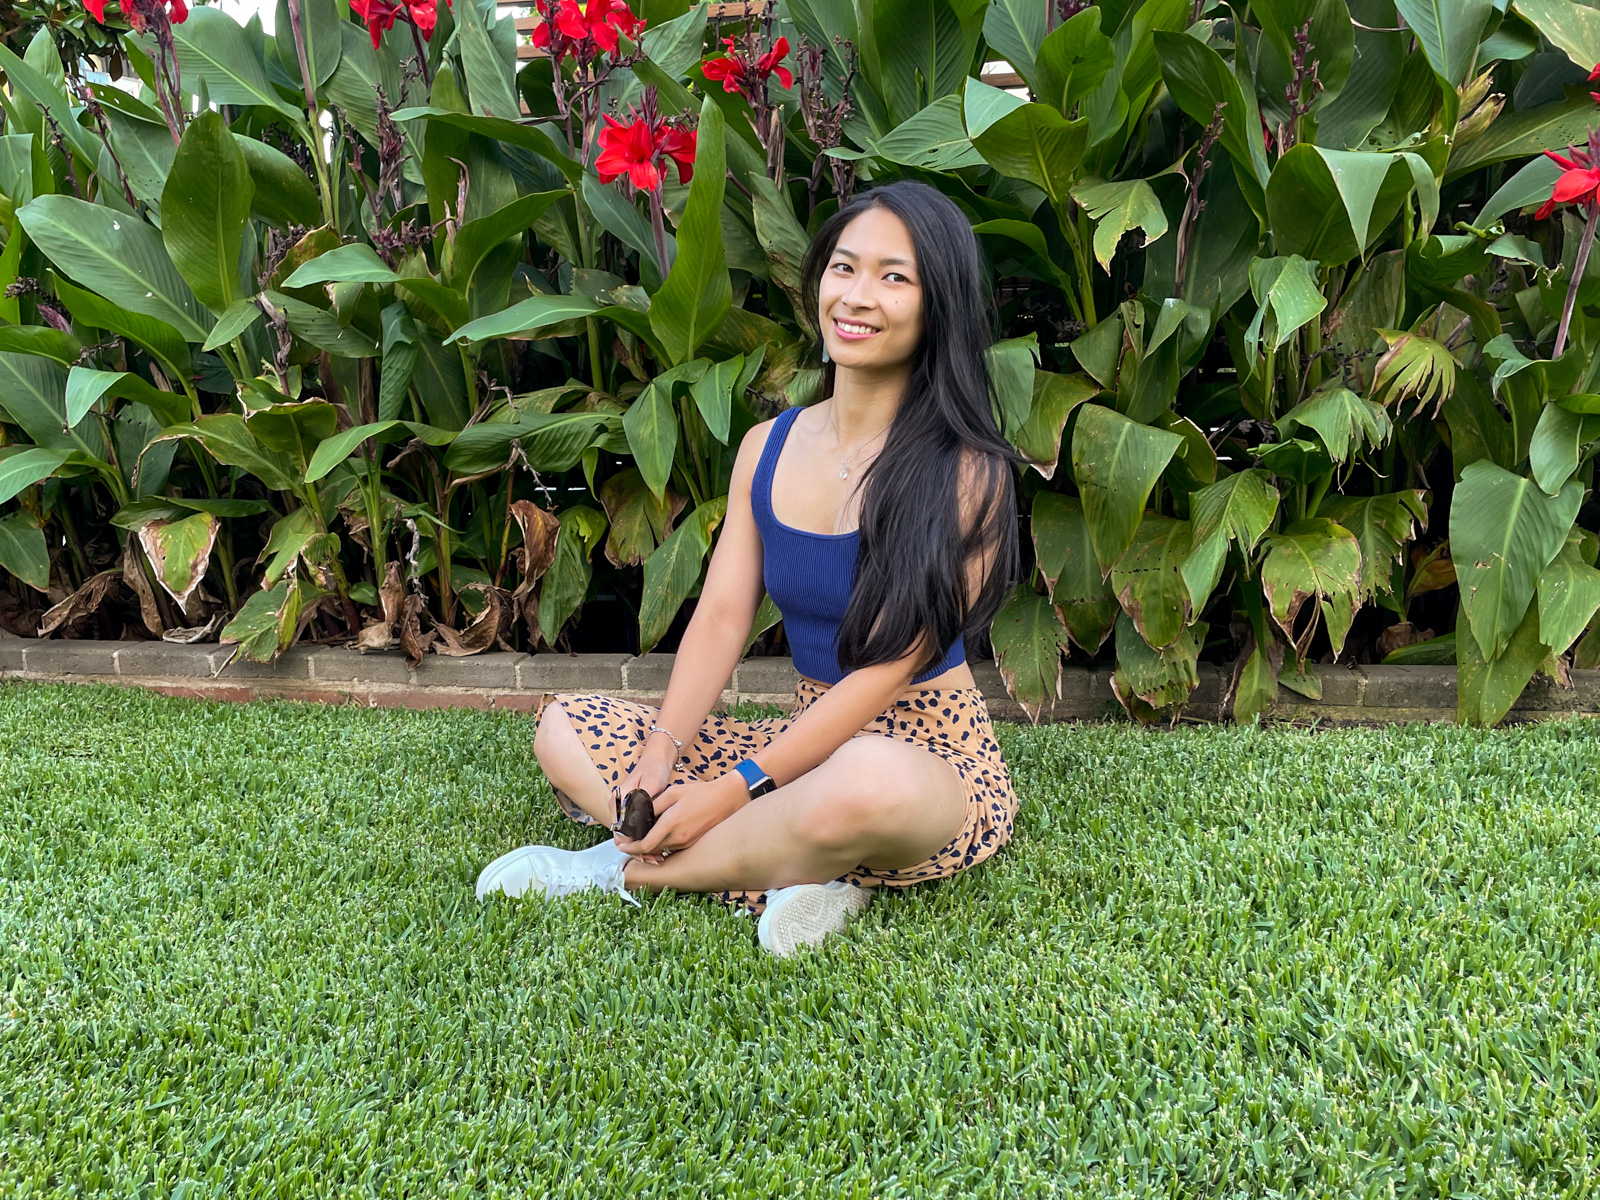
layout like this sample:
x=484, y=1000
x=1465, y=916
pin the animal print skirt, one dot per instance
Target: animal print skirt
x=950, y=722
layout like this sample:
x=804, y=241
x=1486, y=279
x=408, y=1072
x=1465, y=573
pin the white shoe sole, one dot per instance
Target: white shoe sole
x=511, y=873
x=807, y=914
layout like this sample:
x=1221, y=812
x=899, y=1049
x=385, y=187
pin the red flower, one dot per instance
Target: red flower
x=424, y=15
x=738, y=74
x=1580, y=181
x=583, y=31
x=378, y=14
x=640, y=150
x=1593, y=75
x=139, y=12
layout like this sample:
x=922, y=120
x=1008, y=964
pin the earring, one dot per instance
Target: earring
x=825, y=356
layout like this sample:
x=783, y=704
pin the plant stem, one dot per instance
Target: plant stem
x=1578, y=268
x=596, y=376
x=659, y=228
x=422, y=55
x=300, y=53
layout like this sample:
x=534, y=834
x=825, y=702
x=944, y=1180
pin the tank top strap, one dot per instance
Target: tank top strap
x=767, y=464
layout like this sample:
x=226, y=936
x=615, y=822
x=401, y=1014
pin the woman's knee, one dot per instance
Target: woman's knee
x=555, y=735
x=855, y=803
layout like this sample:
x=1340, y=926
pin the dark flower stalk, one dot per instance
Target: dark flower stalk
x=824, y=121
x=1194, y=205
x=1302, y=90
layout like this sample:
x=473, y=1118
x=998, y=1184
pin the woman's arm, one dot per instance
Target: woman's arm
x=836, y=717
x=715, y=638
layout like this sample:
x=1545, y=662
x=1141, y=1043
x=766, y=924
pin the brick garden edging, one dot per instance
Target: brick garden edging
x=521, y=682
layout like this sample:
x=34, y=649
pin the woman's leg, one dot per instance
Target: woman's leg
x=567, y=765
x=876, y=802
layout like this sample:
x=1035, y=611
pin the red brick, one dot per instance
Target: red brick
x=425, y=698
x=235, y=695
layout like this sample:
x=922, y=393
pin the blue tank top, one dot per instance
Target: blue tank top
x=810, y=576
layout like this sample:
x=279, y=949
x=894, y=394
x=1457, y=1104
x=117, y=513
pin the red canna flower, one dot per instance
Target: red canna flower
x=1594, y=75
x=1579, y=181
x=424, y=15
x=378, y=14
x=138, y=12
x=738, y=74
x=640, y=150
x=583, y=31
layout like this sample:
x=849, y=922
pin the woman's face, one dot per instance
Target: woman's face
x=870, y=298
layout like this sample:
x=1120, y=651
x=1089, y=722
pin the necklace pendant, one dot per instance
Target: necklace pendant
x=844, y=471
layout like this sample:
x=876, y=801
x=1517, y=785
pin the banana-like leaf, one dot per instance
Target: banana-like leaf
x=1315, y=559
x=1116, y=208
x=1154, y=684
x=1487, y=688
x=356, y=262
x=1343, y=420
x=1148, y=580
x=1238, y=508
x=697, y=293
x=1081, y=595
x=180, y=552
x=1038, y=145
x=230, y=441
x=205, y=207
x=1116, y=464
x=1029, y=642
x=1055, y=399
x=1569, y=597
x=671, y=573
x=321, y=39
x=214, y=52
x=23, y=551
x=1504, y=531
x=1383, y=526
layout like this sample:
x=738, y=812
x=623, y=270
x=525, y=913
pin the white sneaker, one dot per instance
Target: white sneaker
x=557, y=872
x=806, y=913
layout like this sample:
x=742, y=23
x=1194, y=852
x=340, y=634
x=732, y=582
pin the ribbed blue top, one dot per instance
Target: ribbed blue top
x=810, y=576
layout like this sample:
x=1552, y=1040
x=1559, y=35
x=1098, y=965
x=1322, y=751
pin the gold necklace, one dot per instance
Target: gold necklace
x=844, y=459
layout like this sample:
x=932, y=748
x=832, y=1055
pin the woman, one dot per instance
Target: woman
x=882, y=521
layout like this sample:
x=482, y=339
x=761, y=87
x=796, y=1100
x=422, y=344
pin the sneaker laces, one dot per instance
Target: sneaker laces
x=563, y=881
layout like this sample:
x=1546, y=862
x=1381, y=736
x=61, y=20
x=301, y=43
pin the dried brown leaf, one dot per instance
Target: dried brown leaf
x=484, y=629
x=413, y=642
x=84, y=601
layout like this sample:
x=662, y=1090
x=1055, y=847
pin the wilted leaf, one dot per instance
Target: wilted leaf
x=135, y=574
x=81, y=603
x=1254, y=688
x=639, y=521
x=1154, y=684
x=180, y=551
x=1343, y=420
x=379, y=634
x=1081, y=595
x=270, y=621
x=1054, y=399
x=1313, y=559
x=1117, y=208
x=413, y=642
x=1148, y=580
x=484, y=630
x=1414, y=367
x=1383, y=525
x=1029, y=642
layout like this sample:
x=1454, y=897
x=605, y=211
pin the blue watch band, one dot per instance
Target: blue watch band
x=757, y=780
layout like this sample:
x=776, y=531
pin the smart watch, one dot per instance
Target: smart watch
x=757, y=780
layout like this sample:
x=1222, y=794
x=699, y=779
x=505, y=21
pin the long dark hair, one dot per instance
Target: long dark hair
x=911, y=569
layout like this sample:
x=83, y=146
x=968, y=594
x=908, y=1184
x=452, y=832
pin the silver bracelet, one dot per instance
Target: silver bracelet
x=655, y=729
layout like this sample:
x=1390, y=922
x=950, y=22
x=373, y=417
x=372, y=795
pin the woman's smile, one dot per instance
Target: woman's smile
x=853, y=329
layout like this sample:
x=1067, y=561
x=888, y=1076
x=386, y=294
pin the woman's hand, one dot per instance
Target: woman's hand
x=683, y=814
x=653, y=771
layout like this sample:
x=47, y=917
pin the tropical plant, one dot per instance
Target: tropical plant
x=360, y=330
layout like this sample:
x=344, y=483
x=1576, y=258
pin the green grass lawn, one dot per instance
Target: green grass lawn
x=241, y=957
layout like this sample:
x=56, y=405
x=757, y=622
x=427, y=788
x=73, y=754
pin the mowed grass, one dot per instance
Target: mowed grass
x=241, y=957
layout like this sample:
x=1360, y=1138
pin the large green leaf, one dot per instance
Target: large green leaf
x=1569, y=596
x=1329, y=204
x=1029, y=641
x=1200, y=80
x=651, y=424
x=528, y=137
x=267, y=624
x=934, y=139
x=401, y=353
x=1516, y=135
x=491, y=78
x=528, y=316
x=550, y=441
x=671, y=573
x=22, y=548
x=229, y=440
x=33, y=393
x=1066, y=559
x=1073, y=60
x=1011, y=368
x=1148, y=579
x=31, y=87
x=915, y=51
x=1486, y=689
x=639, y=521
x=164, y=343
x=353, y=263
x=205, y=208
x=1055, y=397
x=1036, y=144
x=320, y=24
x=1014, y=29
x=1116, y=208
x=697, y=293
x=1556, y=447
x=567, y=581
x=1448, y=32
x=1574, y=28
x=1504, y=531
x=118, y=256
x=27, y=467
x=1152, y=683
x=1238, y=508
x=1383, y=525
x=331, y=451
x=1343, y=420
x=1116, y=464
x=475, y=239
x=214, y=51
x=1288, y=297
x=1317, y=560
